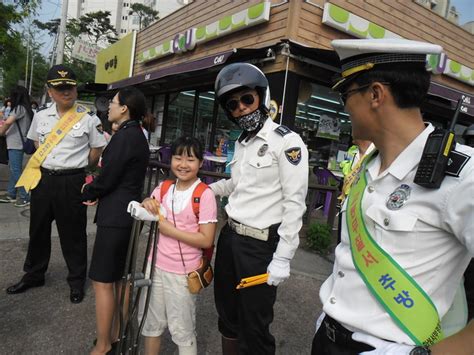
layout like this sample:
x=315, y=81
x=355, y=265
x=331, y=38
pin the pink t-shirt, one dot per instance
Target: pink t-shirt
x=168, y=257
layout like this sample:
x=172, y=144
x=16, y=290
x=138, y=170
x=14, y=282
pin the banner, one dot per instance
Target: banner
x=85, y=51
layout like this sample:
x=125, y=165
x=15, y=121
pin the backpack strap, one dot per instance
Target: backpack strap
x=165, y=186
x=197, y=193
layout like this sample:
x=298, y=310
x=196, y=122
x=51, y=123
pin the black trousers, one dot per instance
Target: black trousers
x=245, y=314
x=58, y=198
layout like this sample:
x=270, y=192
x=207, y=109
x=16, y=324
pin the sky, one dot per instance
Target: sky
x=51, y=9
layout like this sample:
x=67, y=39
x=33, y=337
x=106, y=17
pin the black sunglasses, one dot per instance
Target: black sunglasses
x=345, y=95
x=246, y=99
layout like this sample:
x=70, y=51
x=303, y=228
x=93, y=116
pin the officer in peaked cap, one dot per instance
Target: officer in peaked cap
x=60, y=75
x=404, y=248
x=55, y=182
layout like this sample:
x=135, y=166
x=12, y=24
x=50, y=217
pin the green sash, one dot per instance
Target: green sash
x=398, y=293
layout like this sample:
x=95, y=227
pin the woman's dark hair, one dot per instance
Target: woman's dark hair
x=188, y=145
x=135, y=101
x=408, y=83
x=19, y=97
x=149, y=122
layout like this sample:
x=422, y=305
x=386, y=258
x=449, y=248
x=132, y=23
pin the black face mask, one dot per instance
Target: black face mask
x=252, y=121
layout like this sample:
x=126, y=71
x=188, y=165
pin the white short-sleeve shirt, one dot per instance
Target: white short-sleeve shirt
x=431, y=236
x=73, y=150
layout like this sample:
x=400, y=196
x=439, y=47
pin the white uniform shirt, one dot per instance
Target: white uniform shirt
x=431, y=236
x=266, y=189
x=72, y=151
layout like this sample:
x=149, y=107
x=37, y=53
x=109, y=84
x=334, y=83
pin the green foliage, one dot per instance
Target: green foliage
x=146, y=15
x=319, y=237
x=96, y=25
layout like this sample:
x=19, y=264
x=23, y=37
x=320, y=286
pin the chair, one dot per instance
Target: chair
x=165, y=154
x=324, y=176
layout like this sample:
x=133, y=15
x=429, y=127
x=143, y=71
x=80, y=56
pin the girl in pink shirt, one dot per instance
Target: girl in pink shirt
x=181, y=240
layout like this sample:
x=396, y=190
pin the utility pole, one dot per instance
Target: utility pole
x=32, y=66
x=62, y=33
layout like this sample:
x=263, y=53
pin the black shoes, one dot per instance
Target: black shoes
x=77, y=295
x=22, y=286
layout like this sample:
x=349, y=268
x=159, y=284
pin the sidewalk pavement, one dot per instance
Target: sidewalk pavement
x=43, y=321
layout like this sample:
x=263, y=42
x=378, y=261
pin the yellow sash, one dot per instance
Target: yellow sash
x=32, y=173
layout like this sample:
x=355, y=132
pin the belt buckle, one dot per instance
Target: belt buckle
x=330, y=332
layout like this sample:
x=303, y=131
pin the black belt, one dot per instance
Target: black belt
x=342, y=336
x=62, y=171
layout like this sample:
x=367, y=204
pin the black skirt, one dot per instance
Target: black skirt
x=109, y=254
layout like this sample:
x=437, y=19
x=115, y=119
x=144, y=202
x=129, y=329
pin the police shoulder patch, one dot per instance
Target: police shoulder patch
x=456, y=163
x=100, y=129
x=293, y=155
x=282, y=130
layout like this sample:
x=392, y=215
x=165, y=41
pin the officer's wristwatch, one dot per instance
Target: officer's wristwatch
x=420, y=350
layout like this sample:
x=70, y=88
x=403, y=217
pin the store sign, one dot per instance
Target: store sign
x=187, y=41
x=345, y=21
x=115, y=62
x=85, y=51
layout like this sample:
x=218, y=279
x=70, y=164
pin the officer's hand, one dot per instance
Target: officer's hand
x=382, y=347
x=278, y=270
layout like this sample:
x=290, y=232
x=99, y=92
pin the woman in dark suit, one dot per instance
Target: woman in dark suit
x=120, y=181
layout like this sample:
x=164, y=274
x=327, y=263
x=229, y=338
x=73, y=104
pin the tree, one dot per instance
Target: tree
x=95, y=26
x=146, y=15
x=13, y=43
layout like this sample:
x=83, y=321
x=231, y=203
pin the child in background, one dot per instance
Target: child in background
x=182, y=237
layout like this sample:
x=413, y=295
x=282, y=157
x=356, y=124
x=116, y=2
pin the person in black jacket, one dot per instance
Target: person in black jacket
x=120, y=181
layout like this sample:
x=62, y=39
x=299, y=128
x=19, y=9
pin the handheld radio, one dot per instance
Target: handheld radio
x=435, y=157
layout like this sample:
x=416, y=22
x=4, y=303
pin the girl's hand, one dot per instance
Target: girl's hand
x=151, y=205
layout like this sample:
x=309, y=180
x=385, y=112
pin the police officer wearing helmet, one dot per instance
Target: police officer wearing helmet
x=68, y=138
x=404, y=247
x=267, y=191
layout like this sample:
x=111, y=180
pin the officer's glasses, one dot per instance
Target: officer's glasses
x=345, y=95
x=246, y=99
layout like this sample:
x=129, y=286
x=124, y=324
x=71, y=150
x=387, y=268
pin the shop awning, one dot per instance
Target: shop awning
x=324, y=58
x=191, y=66
x=453, y=96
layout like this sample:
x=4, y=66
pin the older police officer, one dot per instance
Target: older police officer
x=404, y=247
x=267, y=191
x=68, y=139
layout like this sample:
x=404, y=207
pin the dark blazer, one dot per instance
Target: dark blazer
x=121, y=178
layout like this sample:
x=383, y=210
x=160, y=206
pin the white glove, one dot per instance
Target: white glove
x=138, y=212
x=278, y=270
x=382, y=347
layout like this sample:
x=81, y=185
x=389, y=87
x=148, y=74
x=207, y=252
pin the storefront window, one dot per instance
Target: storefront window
x=323, y=124
x=227, y=132
x=180, y=115
x=158, y=108
x=205, y=111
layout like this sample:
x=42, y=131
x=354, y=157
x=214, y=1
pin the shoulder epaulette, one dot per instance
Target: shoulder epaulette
x=283, y=130
x=456, y=163
x=44, y=107
x=91, y=113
